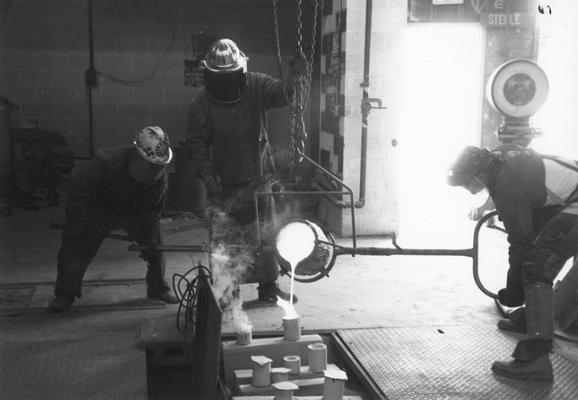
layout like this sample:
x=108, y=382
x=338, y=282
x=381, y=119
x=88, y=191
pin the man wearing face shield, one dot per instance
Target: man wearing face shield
x=120, y=187
x=536, y=197
x=227, y=140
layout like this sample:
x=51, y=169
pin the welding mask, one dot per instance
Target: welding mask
x=225, y=71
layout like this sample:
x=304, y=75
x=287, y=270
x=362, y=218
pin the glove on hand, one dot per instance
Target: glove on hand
x=511, y=297
x=212, y=184
x=298, y=65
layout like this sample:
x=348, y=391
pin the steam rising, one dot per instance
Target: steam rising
x=229, y=265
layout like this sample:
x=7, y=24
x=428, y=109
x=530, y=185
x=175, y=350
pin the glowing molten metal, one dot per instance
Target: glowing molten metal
x=295, y=242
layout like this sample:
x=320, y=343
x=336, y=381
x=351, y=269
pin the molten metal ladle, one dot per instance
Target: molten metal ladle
x=324, y=250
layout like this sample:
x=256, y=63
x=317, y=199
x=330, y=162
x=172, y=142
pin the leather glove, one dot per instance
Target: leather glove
x=513, y=294
x=213, y=185
x=511, y=297
x=298, y=65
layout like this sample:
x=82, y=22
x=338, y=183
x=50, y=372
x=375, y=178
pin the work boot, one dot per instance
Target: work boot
x=166, y=296
x=269, y=291
x=515, y=321
x=61, y=303
x=537, y=369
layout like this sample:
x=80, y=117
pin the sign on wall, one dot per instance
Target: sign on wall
x=194, y=73
x=446, y=2
x=491, y=13
x=500, y=20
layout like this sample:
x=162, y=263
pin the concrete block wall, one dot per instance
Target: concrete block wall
x=379, y=214
x=139, y=52
x=332, y=104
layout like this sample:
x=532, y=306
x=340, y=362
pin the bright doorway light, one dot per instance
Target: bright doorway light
x=442, y=86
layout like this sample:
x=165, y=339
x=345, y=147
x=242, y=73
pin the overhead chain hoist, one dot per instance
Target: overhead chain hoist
x=301, y=84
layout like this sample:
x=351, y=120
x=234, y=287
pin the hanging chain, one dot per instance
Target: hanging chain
x=301, y=84
x=278, y=44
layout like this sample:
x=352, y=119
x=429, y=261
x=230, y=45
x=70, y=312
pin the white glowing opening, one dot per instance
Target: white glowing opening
x=295, y=242
x=442, y=98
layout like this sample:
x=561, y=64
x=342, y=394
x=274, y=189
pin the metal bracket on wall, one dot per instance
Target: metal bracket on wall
x=366, y=105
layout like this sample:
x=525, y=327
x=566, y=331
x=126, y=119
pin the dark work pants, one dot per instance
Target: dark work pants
x=555, y=244
x=80, y=243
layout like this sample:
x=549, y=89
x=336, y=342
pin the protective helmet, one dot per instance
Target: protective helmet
x=153, y=145
x=471, y=161
x=225, y=71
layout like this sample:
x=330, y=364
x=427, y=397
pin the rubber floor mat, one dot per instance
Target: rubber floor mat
x=105, y=367
x=452, y=362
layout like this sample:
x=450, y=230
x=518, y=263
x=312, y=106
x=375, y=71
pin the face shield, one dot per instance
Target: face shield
x=225, y=71
x=225, y=87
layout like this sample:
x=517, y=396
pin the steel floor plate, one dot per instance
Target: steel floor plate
x=104, y=367
x=452, y=362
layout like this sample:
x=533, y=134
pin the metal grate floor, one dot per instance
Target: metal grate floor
x=452, y=362
x=104, y=367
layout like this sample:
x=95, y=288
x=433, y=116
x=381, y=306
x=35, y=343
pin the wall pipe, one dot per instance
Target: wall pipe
x=364, y=102
x=90, y=80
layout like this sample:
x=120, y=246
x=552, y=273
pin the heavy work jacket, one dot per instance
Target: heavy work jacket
x=224, y=138
x=104, y=191
x=527, y=189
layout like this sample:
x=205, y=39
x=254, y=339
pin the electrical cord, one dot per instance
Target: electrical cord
x=186, y=290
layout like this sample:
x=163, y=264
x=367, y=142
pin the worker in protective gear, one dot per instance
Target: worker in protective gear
x=227, y=140
x=121, y=187
x=536, y=197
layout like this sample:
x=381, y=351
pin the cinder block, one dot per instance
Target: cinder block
x=178, y=95
x=237, y=357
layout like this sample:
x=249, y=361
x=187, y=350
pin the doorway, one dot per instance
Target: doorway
x=442, y=89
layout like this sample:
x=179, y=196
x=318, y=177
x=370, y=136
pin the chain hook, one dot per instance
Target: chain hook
x=301, y=84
